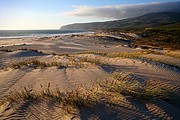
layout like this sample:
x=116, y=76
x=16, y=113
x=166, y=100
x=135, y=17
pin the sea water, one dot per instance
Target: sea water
x=36, y=33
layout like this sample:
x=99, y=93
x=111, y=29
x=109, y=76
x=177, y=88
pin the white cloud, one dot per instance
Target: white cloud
x=122, y=11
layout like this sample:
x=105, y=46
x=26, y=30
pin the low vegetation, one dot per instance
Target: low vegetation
x=123, y=84
x=76, y=98
x=96, y=61
x=72, y=62
x=114, y=54
x=105, y=91
x=85, y=60
x=153, y=37
x=167, y=38
x=37, y=64
x=173, y=54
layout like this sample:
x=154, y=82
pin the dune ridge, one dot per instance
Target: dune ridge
x=86, y=76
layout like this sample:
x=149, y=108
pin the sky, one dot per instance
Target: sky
x=52, y=14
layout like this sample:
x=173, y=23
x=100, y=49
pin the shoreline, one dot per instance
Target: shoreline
x=31, y=35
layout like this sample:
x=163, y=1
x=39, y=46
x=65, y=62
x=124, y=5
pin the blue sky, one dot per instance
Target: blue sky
x=51, y=14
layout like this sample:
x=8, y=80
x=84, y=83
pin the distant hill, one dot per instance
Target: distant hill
x=148, y=20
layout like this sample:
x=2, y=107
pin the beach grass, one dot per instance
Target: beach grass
x=37, y=64
x=106, y=91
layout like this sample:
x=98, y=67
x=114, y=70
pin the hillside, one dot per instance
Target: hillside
x=148, y=20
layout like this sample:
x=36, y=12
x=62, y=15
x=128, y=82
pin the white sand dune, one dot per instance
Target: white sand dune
x=72, y=76
x=64, y=44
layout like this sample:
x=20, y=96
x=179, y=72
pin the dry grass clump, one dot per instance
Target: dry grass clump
x=125, y=55
x=142, y=91
x=78, y=97
x=91, y=60
x=115, y=54
x=173, y=54
x=168, y=53
x=37, y=64
x=135, y=55
x=24, y=94
x=119, y=83
x=85, y=61
x=73, y=62
x=151, y=52
x=160, y=90
x=122, y=86
x=93, y=52
x=109, y=92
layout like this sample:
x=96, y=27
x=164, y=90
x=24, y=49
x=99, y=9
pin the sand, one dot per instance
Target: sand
x=47, y=50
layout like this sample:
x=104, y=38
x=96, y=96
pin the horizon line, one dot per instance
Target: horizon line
x=30, y=29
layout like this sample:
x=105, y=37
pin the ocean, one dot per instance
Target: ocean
x=36, y=33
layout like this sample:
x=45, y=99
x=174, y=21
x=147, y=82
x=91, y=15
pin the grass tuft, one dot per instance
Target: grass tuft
x=120, y=83
x=109, y=92
x=24, y=94
x=91, y=60
x=37, y=64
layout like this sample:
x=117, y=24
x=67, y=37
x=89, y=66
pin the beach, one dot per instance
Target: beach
x=39, y=73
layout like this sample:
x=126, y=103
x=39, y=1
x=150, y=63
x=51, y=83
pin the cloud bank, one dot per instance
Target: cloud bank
x=123, y=11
